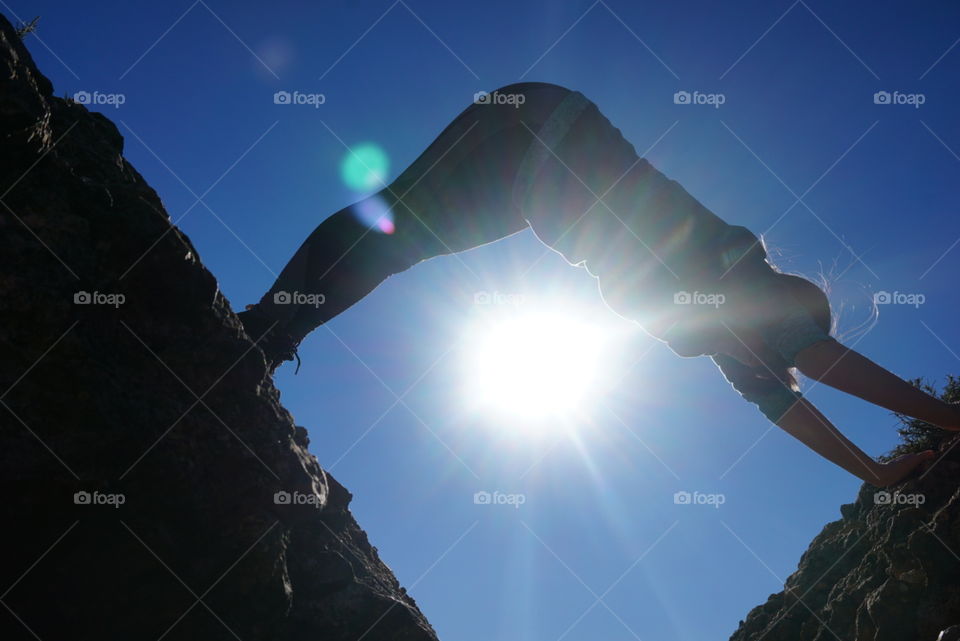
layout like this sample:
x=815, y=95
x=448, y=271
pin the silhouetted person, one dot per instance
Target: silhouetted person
x=541, y=156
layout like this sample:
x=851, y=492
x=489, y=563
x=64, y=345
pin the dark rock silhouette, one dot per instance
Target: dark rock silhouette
x=888, y=570
x=146, y=460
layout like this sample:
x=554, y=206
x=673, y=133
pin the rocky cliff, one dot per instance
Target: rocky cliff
x=153, y=485
x=889, y=569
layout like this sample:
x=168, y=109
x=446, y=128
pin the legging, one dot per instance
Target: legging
x=541, y=156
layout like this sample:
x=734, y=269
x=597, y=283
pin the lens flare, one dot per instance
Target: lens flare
x=365, y=167
x=374, y=213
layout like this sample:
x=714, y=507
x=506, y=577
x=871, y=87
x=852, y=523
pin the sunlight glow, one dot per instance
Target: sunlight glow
x=533, y=365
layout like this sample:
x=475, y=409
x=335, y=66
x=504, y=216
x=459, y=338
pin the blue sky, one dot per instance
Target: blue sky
x=598, y=549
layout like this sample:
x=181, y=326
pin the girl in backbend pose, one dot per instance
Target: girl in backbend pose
x=541, y=156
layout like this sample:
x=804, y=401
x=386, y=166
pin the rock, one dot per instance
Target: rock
x=849, y=510
x=153, y=485
x=888, y=570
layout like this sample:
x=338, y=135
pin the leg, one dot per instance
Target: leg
x=455, y=196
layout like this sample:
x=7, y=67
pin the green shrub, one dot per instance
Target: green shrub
x=27, y=27
x=919, y=435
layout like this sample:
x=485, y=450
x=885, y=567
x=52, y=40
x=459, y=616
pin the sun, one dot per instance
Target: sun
x=533, y=365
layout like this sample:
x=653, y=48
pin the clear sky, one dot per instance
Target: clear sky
x=799, y=151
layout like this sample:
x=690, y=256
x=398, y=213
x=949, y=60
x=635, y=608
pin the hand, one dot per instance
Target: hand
x=900, y=468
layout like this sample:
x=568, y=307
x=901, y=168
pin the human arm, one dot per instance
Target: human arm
x=804, y=422
x=849, y=371
x=801, y=343
x=795, y=415
x=804, y=345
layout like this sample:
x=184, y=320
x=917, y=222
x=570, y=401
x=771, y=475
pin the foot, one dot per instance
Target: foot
x=277, y=346
x=892, y=472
